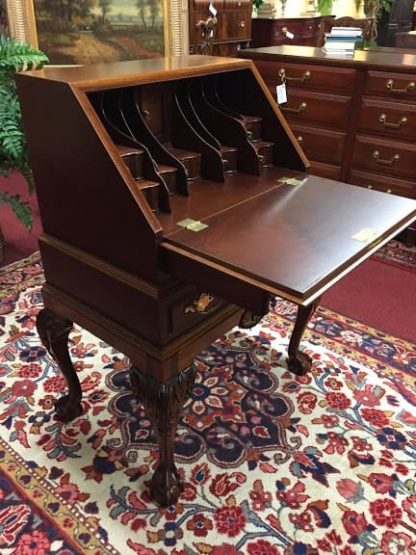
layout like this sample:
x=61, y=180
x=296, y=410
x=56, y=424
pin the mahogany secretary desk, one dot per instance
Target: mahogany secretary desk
x=175, y=203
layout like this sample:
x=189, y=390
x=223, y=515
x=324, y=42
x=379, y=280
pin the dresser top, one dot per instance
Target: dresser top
x=370, y=59
x=283, y=18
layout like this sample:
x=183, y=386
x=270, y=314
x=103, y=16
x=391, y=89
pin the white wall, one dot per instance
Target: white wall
x=297, y=7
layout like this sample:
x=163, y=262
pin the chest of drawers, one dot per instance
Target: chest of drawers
x=232, y=30
x=355, y=117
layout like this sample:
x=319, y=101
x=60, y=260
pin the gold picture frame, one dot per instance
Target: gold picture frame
x=22, y=24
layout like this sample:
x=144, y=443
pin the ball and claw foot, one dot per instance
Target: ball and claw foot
x=166, y=486
x=67, y=409
x=300, y=364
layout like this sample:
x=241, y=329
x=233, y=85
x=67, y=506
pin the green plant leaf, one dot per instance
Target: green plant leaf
x=15, y=56
x=20, y=208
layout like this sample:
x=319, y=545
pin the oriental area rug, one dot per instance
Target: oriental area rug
x=273, y=464
x=397, y=254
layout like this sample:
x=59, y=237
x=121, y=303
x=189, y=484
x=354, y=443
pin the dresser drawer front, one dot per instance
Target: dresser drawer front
x=235, y=26
x=320, y=145
x=325, y=170
x=383, y=183
x=327, y=79
x=397, y=120
x=324, y=110
x=378, y=155
x=298, y=29
x=391, y=85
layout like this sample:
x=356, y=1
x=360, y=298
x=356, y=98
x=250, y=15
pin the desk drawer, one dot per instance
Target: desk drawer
x=323, y=109
x=391, y=85
x=387, y=157
x=321, y=78
x=383, y=183
x=320, y=145
x=189, y=310
x=390, y=119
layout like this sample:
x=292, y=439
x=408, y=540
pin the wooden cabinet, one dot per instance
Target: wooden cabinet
x=355, y=117
x=319, y=107
x=385, y=133
x=232, y=30
x=308, y=30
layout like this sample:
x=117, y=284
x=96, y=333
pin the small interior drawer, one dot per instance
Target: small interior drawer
x=391, y=119
x=401, y=86
x=307, y=76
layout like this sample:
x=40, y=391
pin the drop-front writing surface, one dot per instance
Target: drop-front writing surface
x=175, y=203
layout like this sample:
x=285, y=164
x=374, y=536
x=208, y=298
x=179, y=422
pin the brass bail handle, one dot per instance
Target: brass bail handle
x=283, y=77
x=383, y=120
x=407, y=88
x=301, y=108
x=384, y=161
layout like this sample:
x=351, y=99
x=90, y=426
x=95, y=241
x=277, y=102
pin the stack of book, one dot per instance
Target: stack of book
x=342, y=40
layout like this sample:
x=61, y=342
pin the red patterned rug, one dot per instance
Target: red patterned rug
x=274, y=464
x=397, y=254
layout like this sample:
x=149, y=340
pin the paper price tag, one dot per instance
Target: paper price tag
x=290, y=35
x=212, y=10
x=281, y=93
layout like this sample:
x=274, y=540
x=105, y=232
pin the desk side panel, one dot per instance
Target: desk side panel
x=86, y=196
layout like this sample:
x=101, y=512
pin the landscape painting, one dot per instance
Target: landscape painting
x=3, y=19
x=93, y=31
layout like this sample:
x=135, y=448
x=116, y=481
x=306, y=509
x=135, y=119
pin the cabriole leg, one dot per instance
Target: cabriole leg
x=54, y=331
x=300, y=363
x=163, y=403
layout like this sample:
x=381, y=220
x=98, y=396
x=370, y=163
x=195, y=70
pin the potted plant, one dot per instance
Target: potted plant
x=15, y=56
x=373, y=8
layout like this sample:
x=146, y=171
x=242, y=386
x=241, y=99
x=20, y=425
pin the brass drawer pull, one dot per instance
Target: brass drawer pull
x=301, y=108
x=383, y=120
x=409, y=87
x=205, y=303
x=304, y=77
x=383, y=161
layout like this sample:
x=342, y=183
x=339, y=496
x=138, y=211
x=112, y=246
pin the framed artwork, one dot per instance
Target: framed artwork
x=4, y=27
x=95, y=31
